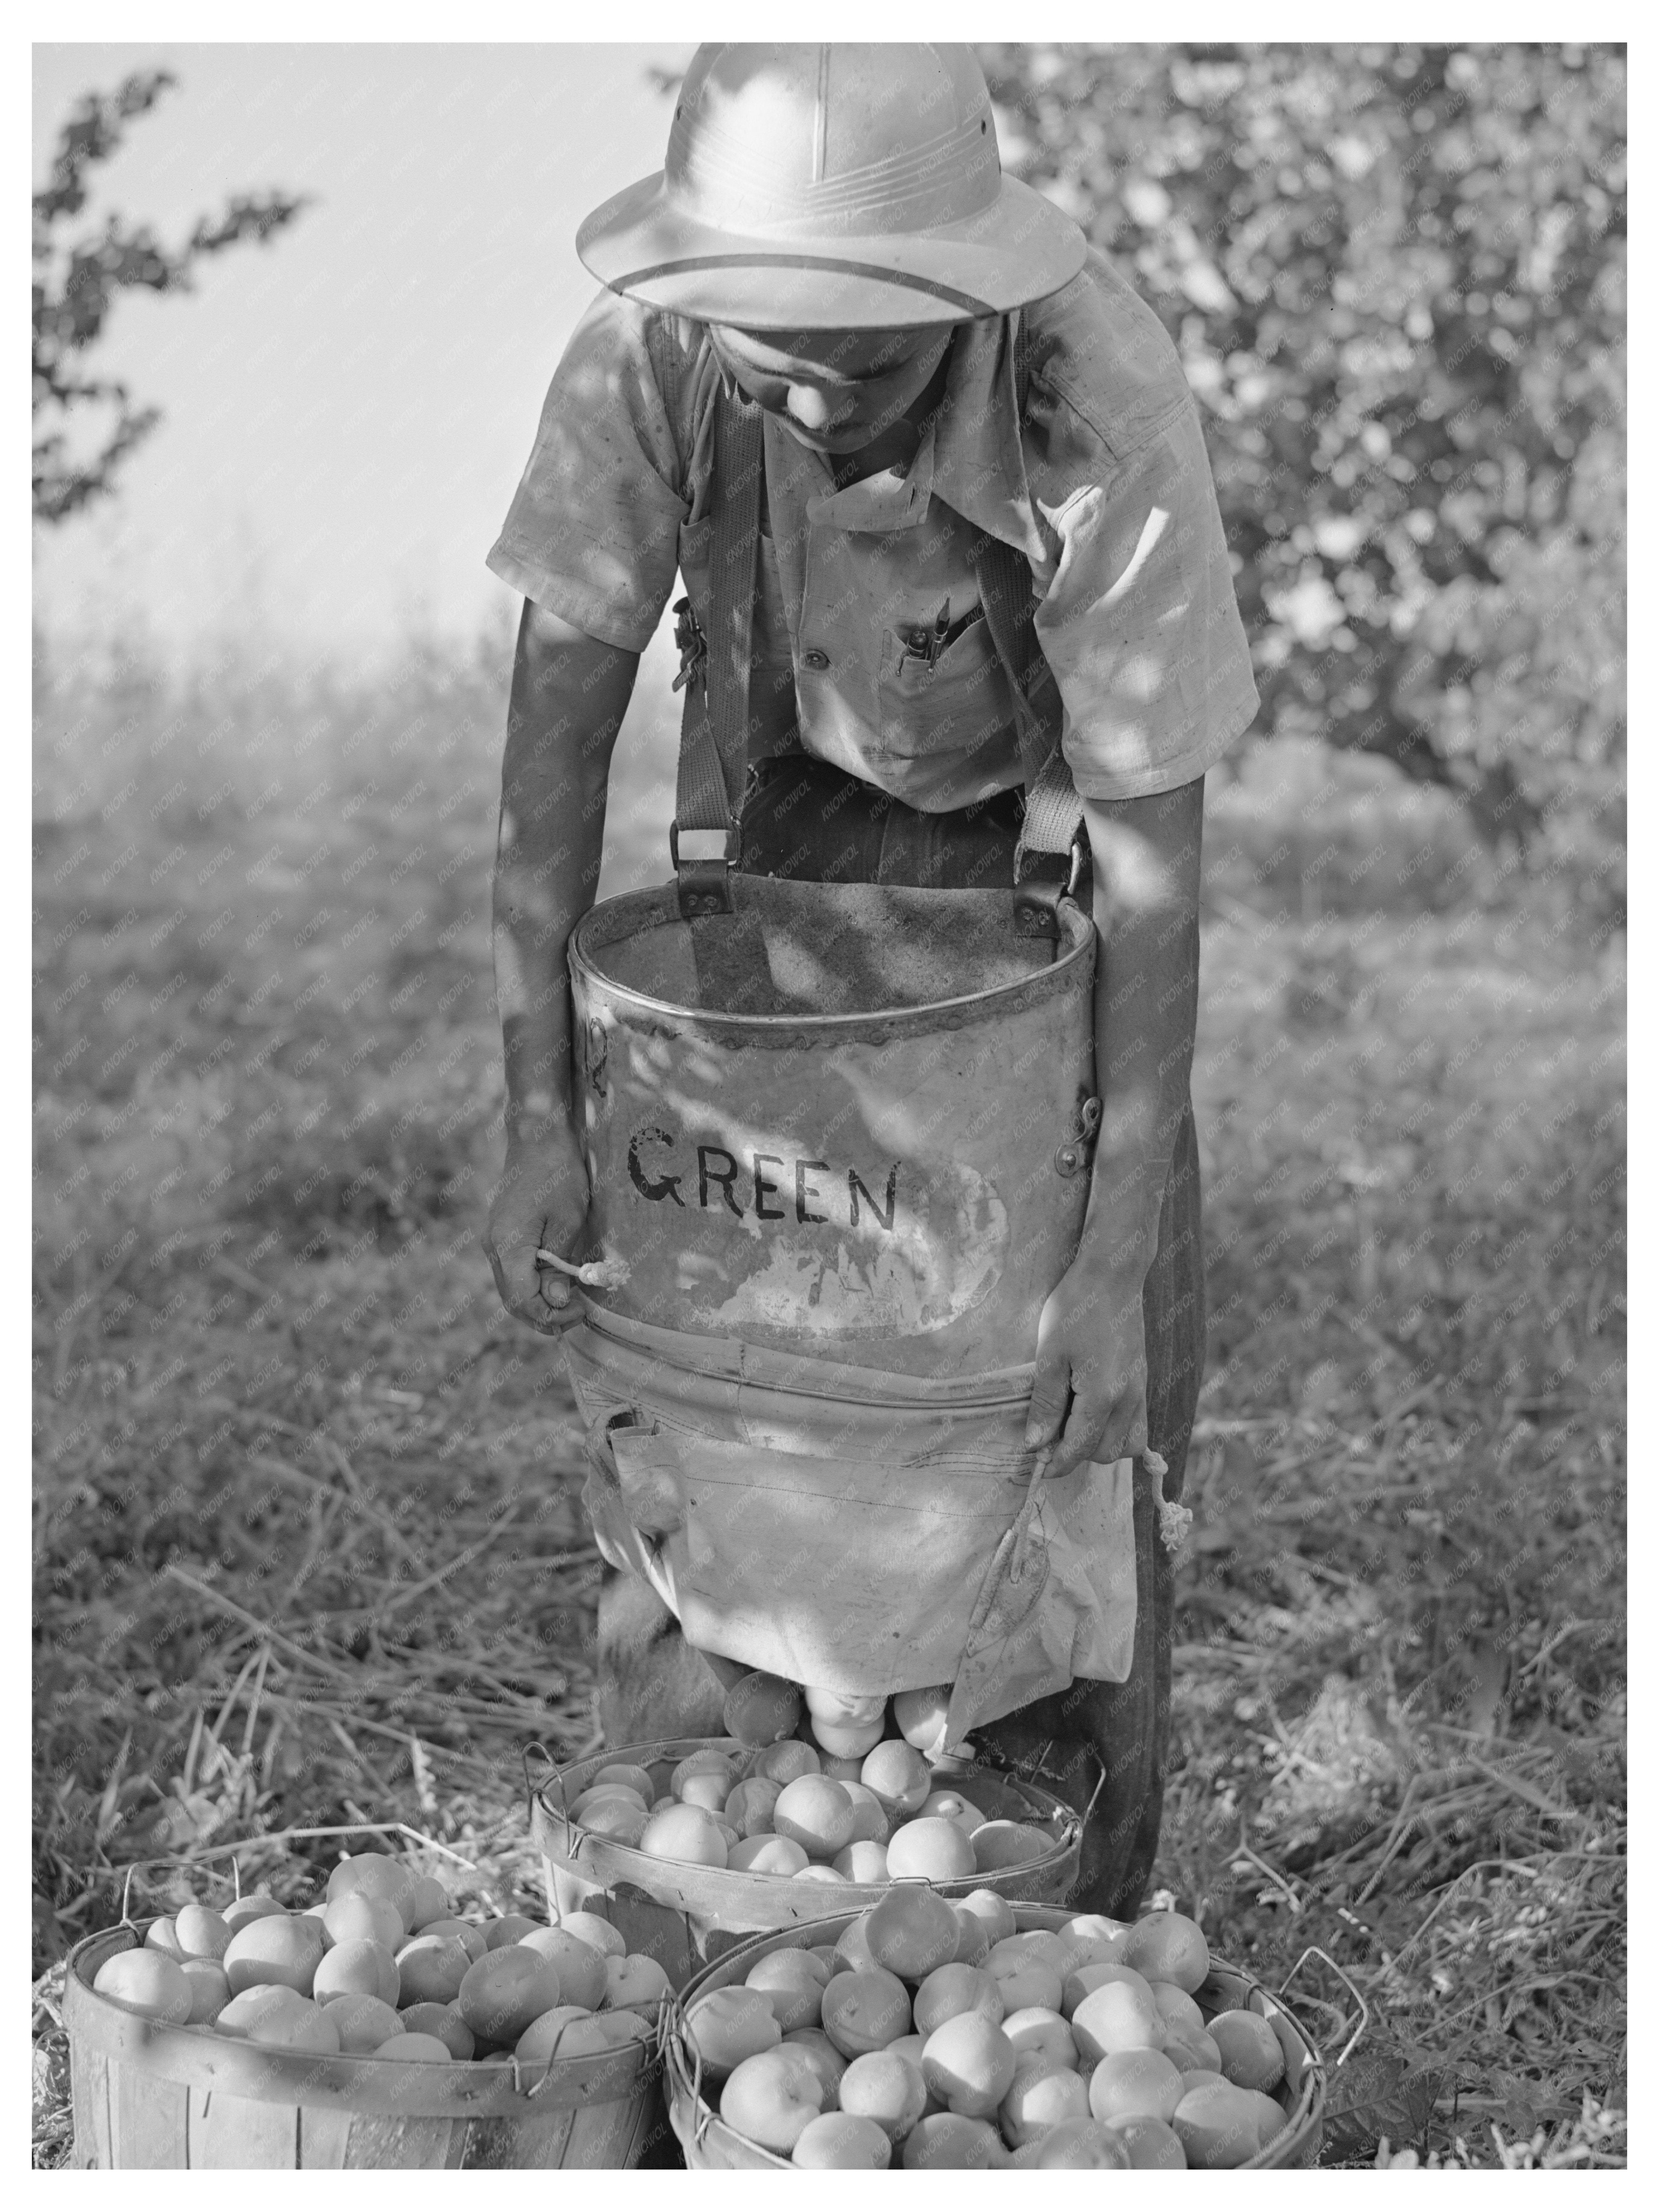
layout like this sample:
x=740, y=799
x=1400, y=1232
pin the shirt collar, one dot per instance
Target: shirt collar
x=971, y=457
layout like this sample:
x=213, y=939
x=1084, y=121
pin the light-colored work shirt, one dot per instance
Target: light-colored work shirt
x=1104, y=484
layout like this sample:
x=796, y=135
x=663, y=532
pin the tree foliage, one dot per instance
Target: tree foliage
x=1395, y=277
x=77, y=282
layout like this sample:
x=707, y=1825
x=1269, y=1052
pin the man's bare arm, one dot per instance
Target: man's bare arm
x=1090, y=1341
x=568, y=696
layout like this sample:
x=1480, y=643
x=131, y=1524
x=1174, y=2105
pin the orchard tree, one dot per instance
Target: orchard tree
x=1395, y=277
x=77, y=282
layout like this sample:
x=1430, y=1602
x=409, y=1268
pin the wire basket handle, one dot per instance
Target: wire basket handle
x=1313, y=1951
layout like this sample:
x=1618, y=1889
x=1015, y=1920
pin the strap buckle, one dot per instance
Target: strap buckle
x=1039, y=887
x=703, y=861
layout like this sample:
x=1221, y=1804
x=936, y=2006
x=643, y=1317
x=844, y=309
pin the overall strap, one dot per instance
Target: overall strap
x=1052, y=828
x=714, y=727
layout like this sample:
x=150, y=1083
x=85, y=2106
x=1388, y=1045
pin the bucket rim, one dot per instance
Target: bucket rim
x=609, y=1862
x=1304, y=2122
x=195, y=2057
x=876, y=1025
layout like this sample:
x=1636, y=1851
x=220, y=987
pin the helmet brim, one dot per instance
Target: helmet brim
x=643, y=245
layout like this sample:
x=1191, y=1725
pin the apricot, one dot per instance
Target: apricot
x=748, y=1805
x=356, y=1917
x=429, y=1902
x=972, y=1938
x=364, y=2023
x=273, y=1949
x=865, y=2011
x=1271, y=2116
x=1093, y=1927
x=852, y=1953
x=503, y=1991
x=1134, y=2085
x=588, y=2032
x=793, y=1983
x=1034, y=2028
x=443, y=2021
x=709, y=1790
x=870, y=1822
x=1081, y=2143
x=199, y=1934
x=816, y=1812
x=936, y=1850
x=1251, y=2055
x=631, y=1778
x=1168, y=1946
x=951, y=1805
x=361, y=1968
x=1079, y=1983
x=897, y=1774
x=1153, y=2145
x=885, y=2087
x=772, y=2097
x=1177, y=2006
x=950, y=1989
x=762, y=1709
x=819, y=1873
x=836, y=1706
x=1023, y=1981
x=685, y=1832
x=621, y=1819
x=993, y=1908
x=1001, y=1845
x=511, y=1927
x=862, y=1863
x=708, y=1761
x=784, y=1763
x=1040, y=2097
x=544, y=2039
x=252, y=2005
x=377, y=1874
x=843, y=2139
x=825, y=2060
x=596, y=1931
x=968, y=2064
x=414, y=2049
x=728, y=2025
x=768, y=1854
x=430, y=1970
x=920, y=1717
x=911, y=1931
x=579, y=1967
x=1116, y=2015
x=255, y=1907
x=949, y=2141
x=209, y=1990
x=634, y=1983
x=1193, y=2050
x=847, y=1740
x=146, y=1982
x=1217, y=2125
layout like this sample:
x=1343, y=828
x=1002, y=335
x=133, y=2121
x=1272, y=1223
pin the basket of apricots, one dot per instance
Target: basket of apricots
x=697, y=1843
x=375, y=2027
x=927, y=2031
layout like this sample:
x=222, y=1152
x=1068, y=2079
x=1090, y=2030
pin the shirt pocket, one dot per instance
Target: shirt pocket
x=958, y=702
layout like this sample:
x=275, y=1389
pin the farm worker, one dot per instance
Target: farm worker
x=939, y=376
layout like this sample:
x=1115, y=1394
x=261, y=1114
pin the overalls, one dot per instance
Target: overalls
x=1101, y=1746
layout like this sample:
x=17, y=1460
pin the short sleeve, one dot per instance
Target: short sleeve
x=592, y=533
x=1140, y=624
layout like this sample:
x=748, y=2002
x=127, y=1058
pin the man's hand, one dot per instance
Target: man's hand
x=1089, y=1395
x=541, y=1201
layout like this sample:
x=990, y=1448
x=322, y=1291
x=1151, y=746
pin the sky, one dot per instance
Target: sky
x=347, y=409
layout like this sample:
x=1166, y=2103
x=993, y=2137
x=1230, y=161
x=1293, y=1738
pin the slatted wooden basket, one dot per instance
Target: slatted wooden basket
x=147, y=2095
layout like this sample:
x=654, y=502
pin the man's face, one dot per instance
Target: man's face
x=836, y=390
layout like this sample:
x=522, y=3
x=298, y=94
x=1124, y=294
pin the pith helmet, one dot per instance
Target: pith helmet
x=833, y=188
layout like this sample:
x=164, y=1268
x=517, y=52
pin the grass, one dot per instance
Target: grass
x=307, y=1541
